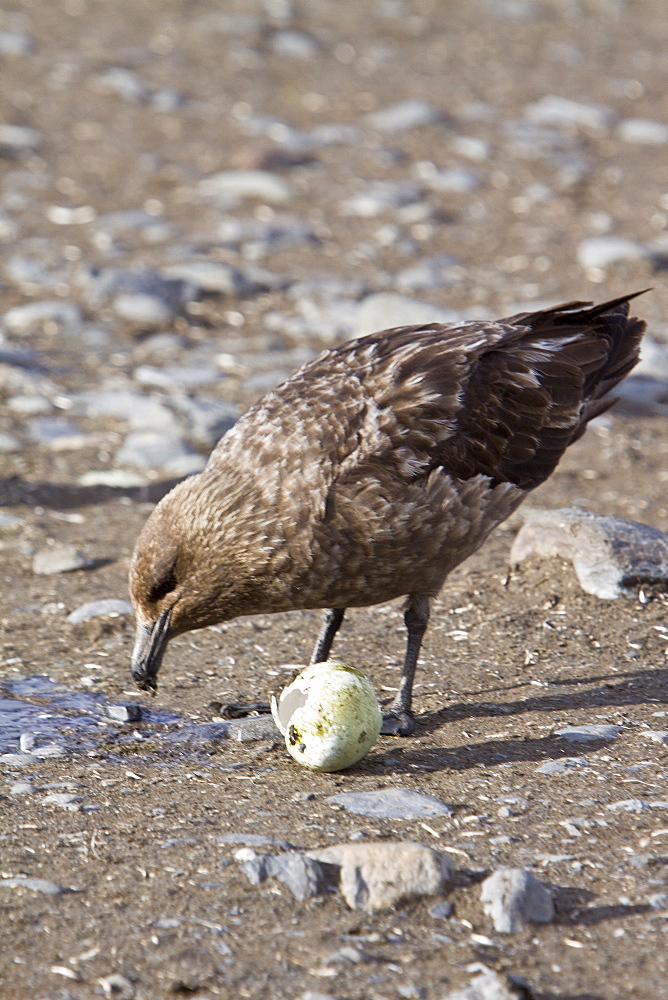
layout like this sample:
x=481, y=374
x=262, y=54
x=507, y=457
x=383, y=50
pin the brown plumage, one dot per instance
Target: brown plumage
x=372, y=472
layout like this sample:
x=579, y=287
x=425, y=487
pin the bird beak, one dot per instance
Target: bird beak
x=148, y=650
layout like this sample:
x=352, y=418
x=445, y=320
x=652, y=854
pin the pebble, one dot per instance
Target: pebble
x=404, y=115
x=629, y=805
x=302, y=875
x=560, y=111
x=15, y=43
x=392, y=803
x=229, y=187
x=64, y=800
x=643, y=131
x=439, y=271
x=514, y=898
x=109, y=606
x=658, y=901
x=589, y=733
x=18, y=140
x=9, y=523
x=211, y=276
x=379, y=197
x=123, y=83
x=151, y=449
x=656, y=735
x=599, y=252
x=42, y=885
x=124, y=713
x=489, y=986
x=120, y=479
x=143, y=309
x=8, y=444
x=611, y=556
x=441, y=911
x=27, y=318
x=383, y=310
x=22, y=788
x=59, y=558
x=379, y=875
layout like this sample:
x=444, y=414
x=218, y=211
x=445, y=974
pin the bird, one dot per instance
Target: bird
x=372, y=472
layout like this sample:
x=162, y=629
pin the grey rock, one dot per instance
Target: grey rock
x=42, y=885
x=379, y=875
x=48, y=750
x=206, y=418
x=8, y=444
x=656, y=735
x=392, y=803
x=643, y=131
x=302, y=875
x=137, y=409
x=611, y=556
x=151, y=449
x=513, y=898
x=229, y=187
x=177, y=377
x=589, y=733
x=24, y=319
x=59, y=558
x=254, y=840
x=22, y=788
x=629, y=805
x=658, y=901
x=441, y=910
x=144, y=309
x=439, y=271
x=123, y=713
x=15, y=43
x=17, y=140
x=9, y=523
x=121, y=479
x=451, y=180
x=63, y=800
x=49, y=430
x=102, y=285
x=311, y=995
x=210, y=276
x=601, y=251
x=294, y=45
x=387, y=309
x=379, y=197
x=560, y=111
x=29, y=405
x=260, y=727
x=110, y=606
x=404, y=115
x=487, y=986
x=123, y=83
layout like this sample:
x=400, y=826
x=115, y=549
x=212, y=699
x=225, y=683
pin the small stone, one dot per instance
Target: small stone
x=232, y=186
x=294, y=45
x=589, y=734
x=17, y=140
x=392, y=803
x=599, y=252
x=658, y=901
x=8, y=444
x=629, y=805
x=210, y=276
x=559, y=111
x=146, y=310
x=656, y=735
x=610, y=555
x=25, y=319
x=488, y=986
x=441, y=911
x=110, y=606
x=404, y=115
x=514, y=898
x=9, y=523
x=378, y=875
x=643, y=131
x=378, y=197
x=150, y=449
x=59, y=558
x=42, y=885
x=301, y=875
x=22, y=788
x=123, y=83
x=15, y=43
x=64, y=800
x=120, y=479
x=384, y=310
x=123, y=713
x=260, y=727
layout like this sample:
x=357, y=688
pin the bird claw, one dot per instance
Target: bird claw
x=398, y=722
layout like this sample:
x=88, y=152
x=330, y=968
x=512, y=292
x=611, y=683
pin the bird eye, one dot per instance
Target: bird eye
x=164, y=587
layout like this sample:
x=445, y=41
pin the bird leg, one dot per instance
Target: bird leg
x=330, y=626
x=398, y=720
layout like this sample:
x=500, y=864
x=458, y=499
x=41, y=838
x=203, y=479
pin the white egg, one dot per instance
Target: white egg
x=329, y=716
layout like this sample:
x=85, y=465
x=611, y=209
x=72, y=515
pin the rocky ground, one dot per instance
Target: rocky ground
x=195, y=198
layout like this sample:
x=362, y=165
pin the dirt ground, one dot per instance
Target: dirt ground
x=156, y=899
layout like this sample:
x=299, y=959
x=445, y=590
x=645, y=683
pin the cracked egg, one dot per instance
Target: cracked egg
x=329, y=716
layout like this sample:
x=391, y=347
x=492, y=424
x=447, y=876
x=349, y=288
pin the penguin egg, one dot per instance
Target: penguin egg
x=329, y=716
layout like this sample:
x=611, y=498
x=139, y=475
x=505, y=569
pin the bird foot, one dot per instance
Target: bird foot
x=398, y=722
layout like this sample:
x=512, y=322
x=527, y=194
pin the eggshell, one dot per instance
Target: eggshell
x=329, y=716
